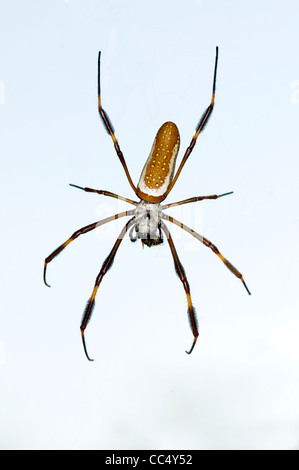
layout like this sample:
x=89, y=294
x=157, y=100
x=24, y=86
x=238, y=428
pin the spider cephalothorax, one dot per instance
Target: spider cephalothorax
x=148, y=223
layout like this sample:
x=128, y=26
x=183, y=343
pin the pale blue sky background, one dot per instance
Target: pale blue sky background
x=239, y=389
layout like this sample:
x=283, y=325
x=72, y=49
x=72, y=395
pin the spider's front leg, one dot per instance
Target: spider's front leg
x=181, y=273
x=106, y=266
x=79, y=232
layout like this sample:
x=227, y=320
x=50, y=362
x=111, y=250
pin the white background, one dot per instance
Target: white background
x=239, y=388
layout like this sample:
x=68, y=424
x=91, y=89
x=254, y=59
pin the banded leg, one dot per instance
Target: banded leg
x=181, y=273
x=207, y=243
x=79, y=232
x=203, y=121
x=109, y=127
x=194, y=199
x=105, y=193
x=105, y=267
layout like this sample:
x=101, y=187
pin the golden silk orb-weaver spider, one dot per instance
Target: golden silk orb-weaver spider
x=146, y=223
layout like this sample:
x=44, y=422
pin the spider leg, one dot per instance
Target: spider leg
x=79, y=232
x=194, y=199
x=109, y=127
x=207, y=243
x=181, y=273
x=203, y=121
x=105, y=267
x=105, y=193
x=132, y=237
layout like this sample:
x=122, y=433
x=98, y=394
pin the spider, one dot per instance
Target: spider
x=147, y=218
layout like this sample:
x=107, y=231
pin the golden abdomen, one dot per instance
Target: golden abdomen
x=158, y=170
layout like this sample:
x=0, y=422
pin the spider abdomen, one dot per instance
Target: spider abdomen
x=158, y=170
